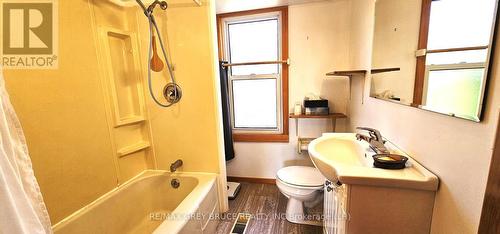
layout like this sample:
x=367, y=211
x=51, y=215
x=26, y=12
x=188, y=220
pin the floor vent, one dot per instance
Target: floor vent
x=241, y=223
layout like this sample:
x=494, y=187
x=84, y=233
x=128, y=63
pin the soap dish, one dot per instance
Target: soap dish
x=389, y=161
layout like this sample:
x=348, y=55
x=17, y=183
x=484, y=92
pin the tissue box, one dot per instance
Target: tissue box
x=316, y=103
x=317, y=110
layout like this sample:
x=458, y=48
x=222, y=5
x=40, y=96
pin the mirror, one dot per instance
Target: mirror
x=440, y=51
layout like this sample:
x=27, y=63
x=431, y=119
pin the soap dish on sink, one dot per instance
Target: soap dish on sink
x=389, y=161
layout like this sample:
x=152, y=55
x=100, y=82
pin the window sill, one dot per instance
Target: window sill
x=283, y=138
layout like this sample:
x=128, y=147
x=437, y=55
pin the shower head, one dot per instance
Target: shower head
x=151, y=7
x=163, y=5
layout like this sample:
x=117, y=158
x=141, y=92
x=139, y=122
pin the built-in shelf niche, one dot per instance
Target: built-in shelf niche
x=125, y=101
x=124, y=81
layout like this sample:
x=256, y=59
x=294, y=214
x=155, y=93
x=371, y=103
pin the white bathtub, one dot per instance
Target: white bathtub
x=149, y=204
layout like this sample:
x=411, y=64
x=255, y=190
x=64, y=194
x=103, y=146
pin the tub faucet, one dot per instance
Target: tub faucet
x=175, y=165
x=374, y=138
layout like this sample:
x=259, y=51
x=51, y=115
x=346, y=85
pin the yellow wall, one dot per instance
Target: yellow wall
x=63, y=116
x=65, y=113
x=189, y=130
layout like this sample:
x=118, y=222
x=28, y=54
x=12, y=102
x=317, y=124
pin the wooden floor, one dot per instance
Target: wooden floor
x=267, y=206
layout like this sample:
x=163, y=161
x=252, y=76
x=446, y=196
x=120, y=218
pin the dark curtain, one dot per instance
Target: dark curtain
x=226, y=112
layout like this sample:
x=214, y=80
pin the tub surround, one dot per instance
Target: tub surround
x=192, y=129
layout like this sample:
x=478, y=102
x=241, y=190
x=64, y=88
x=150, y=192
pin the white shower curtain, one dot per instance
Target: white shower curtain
x=22, y=209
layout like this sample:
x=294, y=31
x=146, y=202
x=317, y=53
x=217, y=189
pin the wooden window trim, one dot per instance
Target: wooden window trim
x=423, y=39
x=255, y=137
x=425, y=17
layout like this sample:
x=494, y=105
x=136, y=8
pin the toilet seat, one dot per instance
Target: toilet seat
x=301, y=176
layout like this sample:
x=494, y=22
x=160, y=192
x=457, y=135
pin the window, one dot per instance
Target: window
x=254, y=43
x=453, y=54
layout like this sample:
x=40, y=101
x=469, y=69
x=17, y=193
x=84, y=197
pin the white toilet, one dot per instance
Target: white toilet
x=303, y=186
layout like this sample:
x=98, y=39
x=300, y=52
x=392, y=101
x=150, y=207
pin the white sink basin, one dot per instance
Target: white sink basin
x=340, y=157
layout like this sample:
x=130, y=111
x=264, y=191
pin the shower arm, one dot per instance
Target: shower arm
x=139, y=2
x=149, y=10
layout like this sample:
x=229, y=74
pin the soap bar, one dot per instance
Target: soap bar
x=386, y=158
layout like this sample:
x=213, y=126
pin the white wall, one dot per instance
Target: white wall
x=457, y=151
x=318, y=43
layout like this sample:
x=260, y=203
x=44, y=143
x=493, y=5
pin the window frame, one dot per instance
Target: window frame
x=260, y=135
x=446, y=67
x=422, y=69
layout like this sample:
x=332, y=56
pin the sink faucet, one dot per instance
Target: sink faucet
x=175, y=165
x=374, y=138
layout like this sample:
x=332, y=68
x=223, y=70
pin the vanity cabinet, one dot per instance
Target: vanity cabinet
x=369, y=199
x=365, y=209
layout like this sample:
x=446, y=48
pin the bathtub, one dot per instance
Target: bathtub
x=148, y=203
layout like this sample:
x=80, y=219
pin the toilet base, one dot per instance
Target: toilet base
x=295, y=213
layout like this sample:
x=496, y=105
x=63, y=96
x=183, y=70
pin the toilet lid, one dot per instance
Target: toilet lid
x=301, y=176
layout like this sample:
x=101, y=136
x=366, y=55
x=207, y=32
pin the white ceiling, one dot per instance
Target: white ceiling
x=224, y=6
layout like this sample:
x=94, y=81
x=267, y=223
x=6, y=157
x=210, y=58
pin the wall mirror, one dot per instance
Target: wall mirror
x=441, y=50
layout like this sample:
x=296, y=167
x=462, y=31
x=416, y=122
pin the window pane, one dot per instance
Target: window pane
x=255, y=103
x=460, y=23
x=253, y=42
x=455, y=91
x=471, y=56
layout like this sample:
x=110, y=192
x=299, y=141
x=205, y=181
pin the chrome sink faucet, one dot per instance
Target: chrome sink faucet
x=175, y=165
x=374, y=138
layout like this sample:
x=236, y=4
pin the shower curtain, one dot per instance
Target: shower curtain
x=22, y=209
x=226, y=112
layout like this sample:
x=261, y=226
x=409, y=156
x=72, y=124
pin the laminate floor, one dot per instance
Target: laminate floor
x=267, y=206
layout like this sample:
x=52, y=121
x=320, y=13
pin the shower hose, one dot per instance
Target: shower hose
x=175, y=92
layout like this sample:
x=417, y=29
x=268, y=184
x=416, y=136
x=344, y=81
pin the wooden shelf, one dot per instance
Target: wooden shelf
x=362, y=72
x=346, y=73
x=382, y=70
x=332, y=116
x=329, y=116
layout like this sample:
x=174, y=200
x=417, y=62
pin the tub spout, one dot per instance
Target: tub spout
x=175, y=165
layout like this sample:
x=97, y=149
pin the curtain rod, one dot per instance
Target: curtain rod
x=256, y=63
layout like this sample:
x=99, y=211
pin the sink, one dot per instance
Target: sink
x=342, y=158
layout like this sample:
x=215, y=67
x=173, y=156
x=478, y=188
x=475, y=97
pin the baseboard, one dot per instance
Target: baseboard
x=251, y=180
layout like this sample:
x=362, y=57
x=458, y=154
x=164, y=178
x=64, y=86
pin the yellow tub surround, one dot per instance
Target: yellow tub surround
x=154, y=201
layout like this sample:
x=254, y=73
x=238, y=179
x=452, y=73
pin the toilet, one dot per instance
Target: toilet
x=303, y=186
